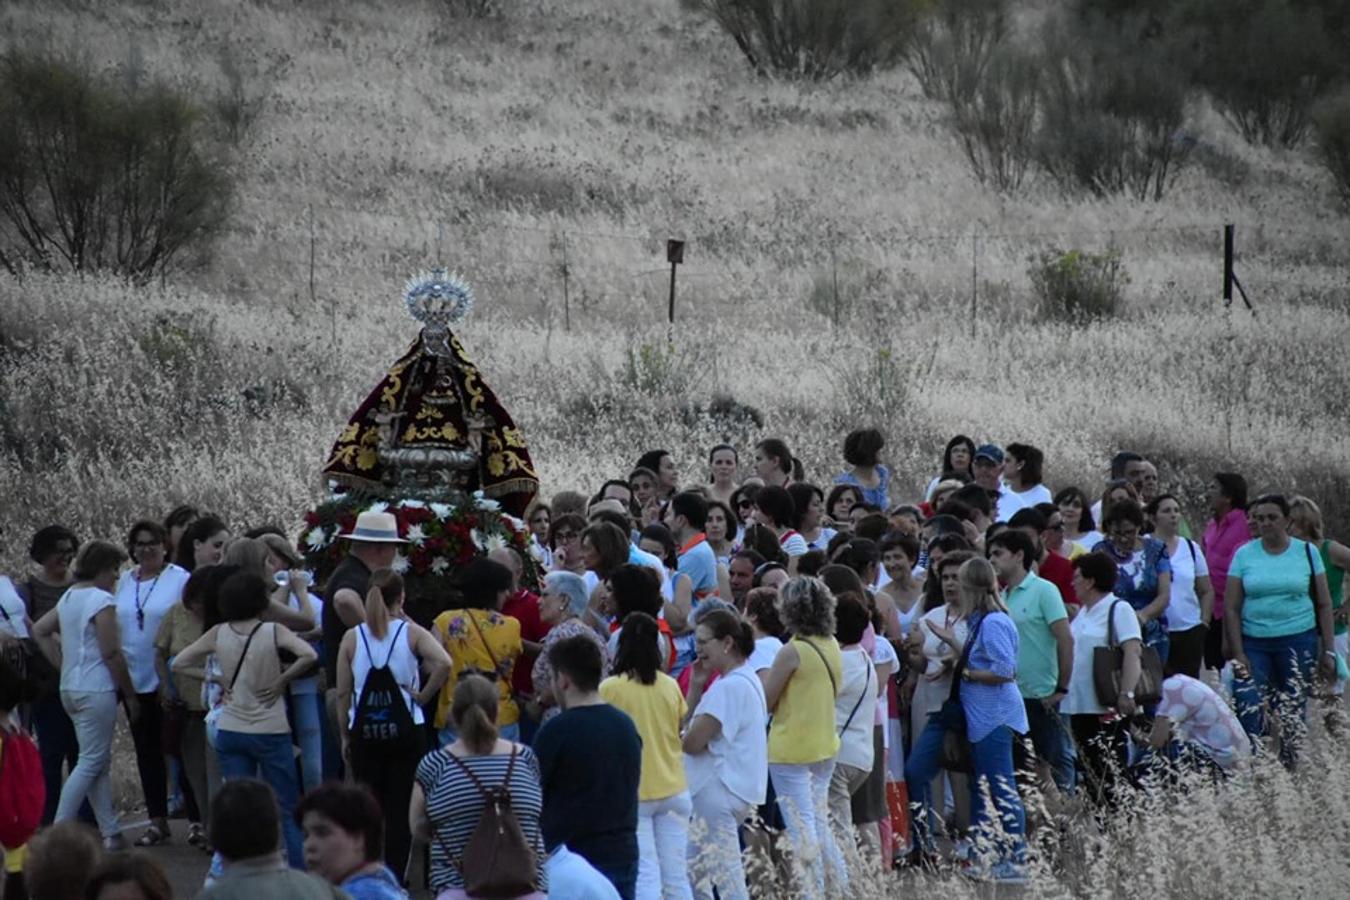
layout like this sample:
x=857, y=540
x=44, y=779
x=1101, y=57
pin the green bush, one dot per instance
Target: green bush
x=1076, y=286
x=1332, y=120
x=1113, y=113
x=102, y=174
x=814, y=39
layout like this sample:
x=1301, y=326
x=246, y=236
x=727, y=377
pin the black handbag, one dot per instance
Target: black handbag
x=1108, y=661
x=957, y=755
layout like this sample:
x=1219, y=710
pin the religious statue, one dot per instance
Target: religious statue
x=432, y=430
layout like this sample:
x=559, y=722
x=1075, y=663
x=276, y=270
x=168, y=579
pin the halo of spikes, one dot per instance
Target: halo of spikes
x=437, y=299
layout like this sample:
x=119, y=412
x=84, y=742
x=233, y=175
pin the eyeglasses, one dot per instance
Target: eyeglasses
x=147, y=545
x=566, y=535
x=745, y=504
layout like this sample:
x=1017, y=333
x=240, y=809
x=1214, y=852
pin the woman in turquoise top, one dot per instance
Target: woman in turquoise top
x=1280, y=635
x=862, y=451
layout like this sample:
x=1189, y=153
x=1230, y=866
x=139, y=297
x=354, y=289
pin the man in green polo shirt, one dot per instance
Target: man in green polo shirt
x=1044, y=650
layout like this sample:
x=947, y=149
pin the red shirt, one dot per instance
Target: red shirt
x=523, y=606
x=1059, y=571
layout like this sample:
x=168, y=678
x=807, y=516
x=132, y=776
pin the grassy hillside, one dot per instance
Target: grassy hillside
x=595, y=130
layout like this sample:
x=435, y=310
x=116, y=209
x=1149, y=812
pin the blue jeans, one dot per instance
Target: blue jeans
x=1282, y=671
x=1050, y=736
x=306, y=724
x=993, y=758
x=921, y=767
x=266, y=756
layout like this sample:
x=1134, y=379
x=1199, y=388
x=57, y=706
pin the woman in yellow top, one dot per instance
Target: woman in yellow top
x=652, y=699
x=480, y=639
x=801, y=688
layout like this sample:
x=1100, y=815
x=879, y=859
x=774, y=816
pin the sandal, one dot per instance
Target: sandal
x=153, y=837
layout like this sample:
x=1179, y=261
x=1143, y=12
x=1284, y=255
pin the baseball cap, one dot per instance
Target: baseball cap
x=990, y=451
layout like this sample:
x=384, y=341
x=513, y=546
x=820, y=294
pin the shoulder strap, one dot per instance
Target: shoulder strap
x=828, y=671
x=240, y=665
x=1111, y=625
x=1191, y=545
x=393, y=644
x=867, y=683
x=477, y=782
x=473, y=620
x=960, y=669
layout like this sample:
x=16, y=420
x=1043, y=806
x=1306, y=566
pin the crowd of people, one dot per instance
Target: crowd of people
x=827, y=677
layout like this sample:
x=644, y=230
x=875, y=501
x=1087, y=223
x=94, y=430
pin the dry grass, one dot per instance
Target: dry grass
x=608, y=127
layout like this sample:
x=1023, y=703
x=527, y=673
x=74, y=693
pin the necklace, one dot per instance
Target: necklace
x=140, y=603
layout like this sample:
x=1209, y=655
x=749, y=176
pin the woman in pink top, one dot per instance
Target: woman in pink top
x=1224, y=534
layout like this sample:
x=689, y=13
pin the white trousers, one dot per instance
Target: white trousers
x=715, y=843
x=803, y=792
x=94, y=714
x=663, y=848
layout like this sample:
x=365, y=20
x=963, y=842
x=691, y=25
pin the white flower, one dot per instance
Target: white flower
x=536, y=551
x=317, y=539
x=516, y=524
x=416, y=536
x=378, y=508
x=412, y=504
x=484, y=503
x=477, y=537
x=494, y=542
x=401, y=564
x=439, y=565
x=442, y=510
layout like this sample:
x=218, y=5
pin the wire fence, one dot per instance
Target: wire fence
x=336, y=259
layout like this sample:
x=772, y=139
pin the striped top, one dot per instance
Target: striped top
x=454, y=806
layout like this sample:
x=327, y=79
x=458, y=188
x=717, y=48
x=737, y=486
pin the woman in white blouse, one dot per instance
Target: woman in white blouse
x=81, y=635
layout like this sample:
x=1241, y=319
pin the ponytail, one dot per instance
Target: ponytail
x=385, y=594
x=473, y=710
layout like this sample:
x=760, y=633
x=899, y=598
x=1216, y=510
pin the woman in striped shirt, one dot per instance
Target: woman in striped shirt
x=446, y=802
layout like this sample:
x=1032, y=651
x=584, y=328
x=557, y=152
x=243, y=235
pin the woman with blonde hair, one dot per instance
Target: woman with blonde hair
x=993, y=712
x=380, y=664
x=252, y=555
x=448, y=797
x=1306, y=523
x=801, y=689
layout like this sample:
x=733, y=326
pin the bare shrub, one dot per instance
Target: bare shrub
x=996, y=124
x=1076, y=286
x=474, y=9
x=1113, y=113
x=238, y=104
x=100, y=173
x=954, y=43
x=1332, y=119
x=814, y=39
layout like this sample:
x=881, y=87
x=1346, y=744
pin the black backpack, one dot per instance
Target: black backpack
x=382, y=716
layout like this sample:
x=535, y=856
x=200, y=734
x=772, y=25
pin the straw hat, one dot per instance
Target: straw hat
x=375, y=528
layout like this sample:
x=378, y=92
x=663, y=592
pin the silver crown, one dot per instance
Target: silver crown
x=436, y=299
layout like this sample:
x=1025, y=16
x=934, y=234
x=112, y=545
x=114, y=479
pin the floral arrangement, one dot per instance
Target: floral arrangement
x=441, y=537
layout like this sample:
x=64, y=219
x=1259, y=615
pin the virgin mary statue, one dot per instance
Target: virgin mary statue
x=432, y=429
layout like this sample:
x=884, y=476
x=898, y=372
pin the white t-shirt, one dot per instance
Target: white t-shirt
x=82, y=665
x=822, y=542
x=12, y=610
x=739, y=755
x=1200, y=715
x=766, y=648
x=1031, y=496
x=1009, y=502
x=936, y=650
x=1089, y=630
x=1188, y=563
x=857, y=698
x=153, y=598
x=884, y=655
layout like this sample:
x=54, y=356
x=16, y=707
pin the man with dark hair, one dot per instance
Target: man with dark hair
x=1050, y=566
x=1044, y=649
x=741, y=574
x=686, y=514
x=1024, y=474
x=614, y=489
x=1127, y=465
x=246, y=832
x=590, y=761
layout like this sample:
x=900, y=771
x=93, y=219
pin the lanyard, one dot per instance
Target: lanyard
x=140, y=603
